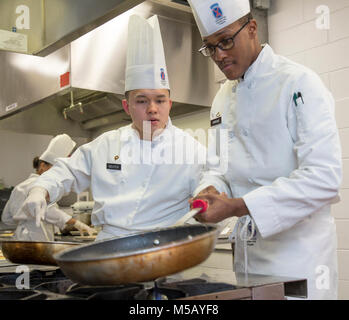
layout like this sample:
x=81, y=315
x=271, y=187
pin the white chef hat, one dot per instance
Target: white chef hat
x=146, y=65
x=59, y=146
x=214, y=15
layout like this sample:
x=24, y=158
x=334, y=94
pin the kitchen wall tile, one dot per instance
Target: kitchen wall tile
x=345, y=183
x=339, y=83
x=331, y=57
x=343, y=290
x=343, y=263
x=339, y=24
x=298, y=57
x=311, y=5
x=343, y=234
x=344, y=137
x=342, y=114
x=340, y=210
x=325, y=77
x=298, y=39
x=284, y=14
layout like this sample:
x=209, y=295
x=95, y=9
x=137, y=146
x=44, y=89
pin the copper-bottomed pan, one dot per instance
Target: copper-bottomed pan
x=138, y=258
x=32, y=252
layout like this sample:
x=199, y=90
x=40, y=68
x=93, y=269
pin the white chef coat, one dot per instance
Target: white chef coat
x=129, y=196
x=285, y=161
x=26, y=228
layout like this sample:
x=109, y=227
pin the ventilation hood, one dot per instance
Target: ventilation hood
x=41, y=27
x=79, y=87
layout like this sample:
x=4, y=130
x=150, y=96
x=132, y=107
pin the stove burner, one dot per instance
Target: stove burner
x=125, y=292
x=53, y=285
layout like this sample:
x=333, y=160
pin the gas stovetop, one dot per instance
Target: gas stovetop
x=53, y=285
x=49, y=283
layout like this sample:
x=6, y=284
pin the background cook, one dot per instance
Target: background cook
x=28, y=228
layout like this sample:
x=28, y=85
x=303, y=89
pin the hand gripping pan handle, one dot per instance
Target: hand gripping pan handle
x=199, y=206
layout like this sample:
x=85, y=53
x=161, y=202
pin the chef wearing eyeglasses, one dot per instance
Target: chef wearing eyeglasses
x=284, y=157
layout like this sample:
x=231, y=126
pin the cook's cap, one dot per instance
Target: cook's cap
x=60, y=146
x=146, y=65
x=214, y=15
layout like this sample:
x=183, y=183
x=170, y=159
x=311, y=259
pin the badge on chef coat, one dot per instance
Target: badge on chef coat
x=114, y=166
x=217, y=120
x=214, y=15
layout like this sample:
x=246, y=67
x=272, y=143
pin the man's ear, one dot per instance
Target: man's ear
x=253, y=28
x=170, y=104
x=126, y=106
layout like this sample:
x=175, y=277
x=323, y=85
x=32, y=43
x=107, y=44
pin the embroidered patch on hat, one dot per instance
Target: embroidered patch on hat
x=218, y=13
x=163, y=76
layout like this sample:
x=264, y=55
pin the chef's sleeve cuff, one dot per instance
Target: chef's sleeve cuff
x=262, y=209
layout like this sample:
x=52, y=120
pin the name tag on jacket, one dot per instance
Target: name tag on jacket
x=113, y=166
x=216, y=121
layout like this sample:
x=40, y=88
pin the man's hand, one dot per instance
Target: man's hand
x=35, y=204
x=82, y=227
x=208, y=190
x=221, y=207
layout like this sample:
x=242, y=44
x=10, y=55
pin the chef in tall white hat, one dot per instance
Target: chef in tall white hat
x=146, y=73
x=132, y=196
x=284, y=155
x=29, y=228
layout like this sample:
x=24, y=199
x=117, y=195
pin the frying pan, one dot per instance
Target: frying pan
x=32, y=252
x=41, y=253
x=138, y=258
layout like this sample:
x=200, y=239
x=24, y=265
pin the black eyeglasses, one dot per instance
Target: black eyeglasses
x=225, y=44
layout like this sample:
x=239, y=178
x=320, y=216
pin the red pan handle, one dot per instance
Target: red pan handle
x=198, y=203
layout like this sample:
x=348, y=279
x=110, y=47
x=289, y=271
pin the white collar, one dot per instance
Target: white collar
x=259, y=64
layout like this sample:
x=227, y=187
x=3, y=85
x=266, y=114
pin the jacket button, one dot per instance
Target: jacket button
x=244, y=132
x=250, y=85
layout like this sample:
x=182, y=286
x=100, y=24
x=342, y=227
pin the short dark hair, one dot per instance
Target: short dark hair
x=245, y=18
x=36, y=162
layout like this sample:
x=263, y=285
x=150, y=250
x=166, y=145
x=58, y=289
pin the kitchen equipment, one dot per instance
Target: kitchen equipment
x=82, y=206
x=31, y=252
x=47, y=283
x=82, y=211
x=138, y=258
x=198, y=207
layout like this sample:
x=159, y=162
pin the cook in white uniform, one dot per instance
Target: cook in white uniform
x=27, y=227
x=135, y=184
x=284, y=156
